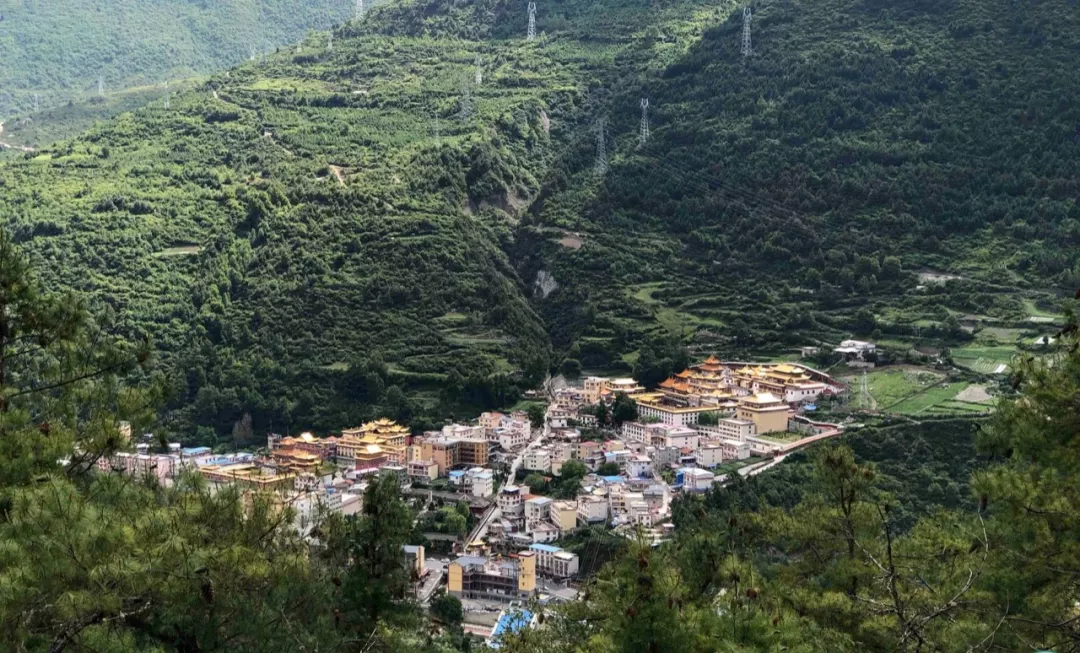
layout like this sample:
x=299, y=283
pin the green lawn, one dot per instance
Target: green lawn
x=929, y=398
x=783, y=438
x=889, y=386
x=734, y=465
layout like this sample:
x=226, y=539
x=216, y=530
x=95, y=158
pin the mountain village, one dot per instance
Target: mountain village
x=687, y=435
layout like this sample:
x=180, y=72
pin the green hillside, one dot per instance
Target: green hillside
x=59, y=50
x=774, y=192
x=333, y=233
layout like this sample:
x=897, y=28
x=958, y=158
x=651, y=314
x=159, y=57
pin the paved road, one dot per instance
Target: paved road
x=493, y=512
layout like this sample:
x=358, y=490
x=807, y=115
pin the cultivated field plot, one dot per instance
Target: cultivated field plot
x=985, y=360
x=914, y=391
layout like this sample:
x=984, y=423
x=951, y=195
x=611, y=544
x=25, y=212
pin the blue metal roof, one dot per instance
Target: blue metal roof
x=546, y=548
x=514, y=622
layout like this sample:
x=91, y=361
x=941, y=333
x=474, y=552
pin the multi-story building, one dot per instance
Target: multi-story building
x=388, y=435
x=511, y=438
x=324, y=448
x=652, y=407
x=554, y=562
x=537, y=510
x=592, y=509
x=593, y=388
x=638, y=466
x=511, y=501
x=692, y=479
x=735, y=449
x=423, y=470
x=248, y=475
x=477, y=577
x=449, y=453
x=768, y=413
x=480, y=482
x=728, y=428
x=537, y=460
x=463, y=432
x=564, y=515
x=414, y=559
x=296, y=460
x=490, y=421
x=140, y=464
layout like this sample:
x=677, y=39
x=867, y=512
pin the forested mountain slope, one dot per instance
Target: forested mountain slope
x=302, y=233
x=775, y=190
x=58, y=50
x=338, y=232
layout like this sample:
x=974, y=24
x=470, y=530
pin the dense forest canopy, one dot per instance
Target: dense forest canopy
x=59, y=50
x=337, y=232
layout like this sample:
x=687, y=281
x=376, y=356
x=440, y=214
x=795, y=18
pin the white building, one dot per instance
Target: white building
x=710, y=455
x=728, y=428
x=537, y=460
x=511, y=501
x=537, y=510
x=639, y=466
x=592, y=509
x=463, y=432
x=675, y=415
x=693, y=479
x=553, y=561
x=510, y=439
x=480, y=481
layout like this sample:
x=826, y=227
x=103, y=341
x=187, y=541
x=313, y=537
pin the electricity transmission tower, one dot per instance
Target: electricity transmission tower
x=644, y=136
x=37, y=102
x=330, y=41
x=746, y=49
x=166, y=101
x=438, y=138
x=479, y=71
x=601, y=166
x=299, y=46
x=359, y=9
x=466, y=105
x=531, y=36
x=252, y=53
x=101, y=86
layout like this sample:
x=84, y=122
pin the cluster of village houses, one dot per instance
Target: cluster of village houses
x=709, y=415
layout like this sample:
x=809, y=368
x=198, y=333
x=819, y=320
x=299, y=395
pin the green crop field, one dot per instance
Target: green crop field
x=928, y=399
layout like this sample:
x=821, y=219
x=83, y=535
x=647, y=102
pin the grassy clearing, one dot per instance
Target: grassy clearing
x=889, y=386
x=183, y=250
x=735, y=465
x=676, y=320
x=1035, y=311
x=928, y=399
x=782, y=438
x=984, y=359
